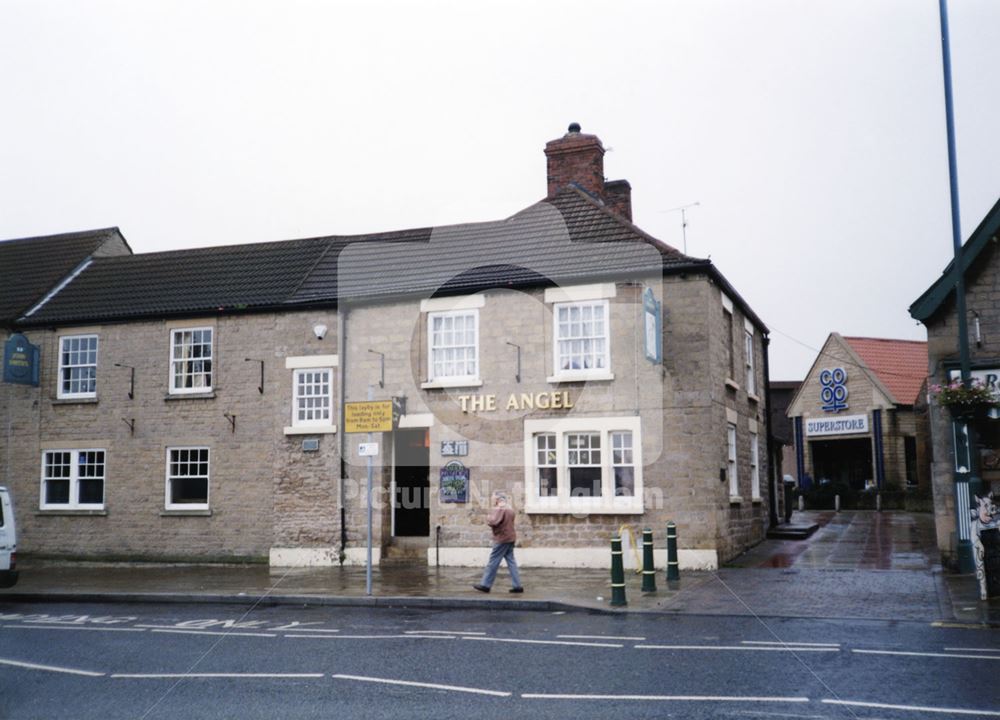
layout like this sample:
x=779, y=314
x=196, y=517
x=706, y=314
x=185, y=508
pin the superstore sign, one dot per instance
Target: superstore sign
x=846, y=425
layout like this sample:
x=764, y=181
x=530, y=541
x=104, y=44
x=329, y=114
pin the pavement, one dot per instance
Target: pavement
x=858, y=565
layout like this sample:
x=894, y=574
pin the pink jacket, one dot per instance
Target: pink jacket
x=501, y=521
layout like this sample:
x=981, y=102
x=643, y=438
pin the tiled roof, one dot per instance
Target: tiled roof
x=31, y=267
x=207, y=280
x=570, y=238
x=901, y=365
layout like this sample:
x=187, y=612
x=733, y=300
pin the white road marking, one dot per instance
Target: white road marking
x=64, y=627
x=50, y=668
x=667, y=698
x=913, y=708
x=546, y=642
x=602, y=637
x=442, y=632
x=174, y=676
x=433, y=686
x=789, y=644
x=216, y=632
x=964, y=649
x=758, y=648
x=926, y=654
x=376, y=637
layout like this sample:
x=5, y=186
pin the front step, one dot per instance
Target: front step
x=792, y=532
x=404, y=554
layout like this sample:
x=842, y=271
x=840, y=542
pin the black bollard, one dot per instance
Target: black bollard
x=673, y=568
x=648, y=573
x=617, y=574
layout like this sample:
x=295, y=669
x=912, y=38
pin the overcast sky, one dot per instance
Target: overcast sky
x=811, y=132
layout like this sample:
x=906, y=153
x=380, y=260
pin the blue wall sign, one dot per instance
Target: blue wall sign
x=652, y=312
x=454, y=483
x=20, y=361
x=833, y=393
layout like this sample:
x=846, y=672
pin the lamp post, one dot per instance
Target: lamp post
x=966, y=480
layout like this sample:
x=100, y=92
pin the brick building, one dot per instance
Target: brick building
x=191, y=403
x=980, y=462
x=858, y=419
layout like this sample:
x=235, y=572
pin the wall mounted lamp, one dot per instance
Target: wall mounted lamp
x=381, y=367
x=517, y=375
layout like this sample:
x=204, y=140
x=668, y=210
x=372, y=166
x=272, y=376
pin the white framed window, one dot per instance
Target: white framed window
x=583, y=465
x=187, y=478
x=191, y=360
x=77, y=366
x=453, y=346
x=754, y=467
x=581, y=344
x=73, y=479
x=748, y=355
x=313, y=397
x=734, y=481
x=546, y=465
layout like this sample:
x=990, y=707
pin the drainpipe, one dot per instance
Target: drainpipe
x=342, y=313
x=772, y=501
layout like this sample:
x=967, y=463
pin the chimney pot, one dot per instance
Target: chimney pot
x=574, y=127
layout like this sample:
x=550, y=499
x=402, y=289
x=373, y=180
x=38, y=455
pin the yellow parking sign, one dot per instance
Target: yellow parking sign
x=368, y=417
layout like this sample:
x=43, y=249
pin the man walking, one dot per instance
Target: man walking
x=501, y=521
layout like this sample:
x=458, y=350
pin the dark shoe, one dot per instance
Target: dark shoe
x=516, y=590
x=481, y=588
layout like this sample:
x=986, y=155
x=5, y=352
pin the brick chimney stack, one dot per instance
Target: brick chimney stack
x=576, y=158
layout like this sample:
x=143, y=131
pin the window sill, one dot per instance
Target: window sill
x=314, y=430
x=457, y=383
x=596, y=509
x=735, y=500
x=756, y=500
x=732, y=384
x=190, y=396
x=753, y=398
x=75, y=401
x=583, y=376
x=186, y=513
x=70, y=512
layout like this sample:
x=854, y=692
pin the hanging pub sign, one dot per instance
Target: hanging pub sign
x=652, y=312
x=454, y=483
x=833, y=391
x=20, y=361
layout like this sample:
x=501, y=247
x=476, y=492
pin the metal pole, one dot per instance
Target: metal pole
x=368, y=574
x=963, y=496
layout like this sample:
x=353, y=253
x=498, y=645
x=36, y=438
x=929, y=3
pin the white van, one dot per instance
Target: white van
x=8, y=540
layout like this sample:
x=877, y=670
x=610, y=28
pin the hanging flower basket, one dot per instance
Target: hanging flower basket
x=966, y=403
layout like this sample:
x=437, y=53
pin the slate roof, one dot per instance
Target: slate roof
x=901, y=365
x=31, y=267
x=924, y=307
x=207, y=280
x=570, y=238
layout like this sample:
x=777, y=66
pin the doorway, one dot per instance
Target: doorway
x=848, y=461
x=411, y=502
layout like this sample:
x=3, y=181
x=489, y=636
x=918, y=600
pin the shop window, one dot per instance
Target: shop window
x=754, y=466
x=191, y=360
x=77, y=367
x=187, y=478
x=453, y=346
x=583, y=465
x=581, y=340
x=72, y=479
x=734, y=483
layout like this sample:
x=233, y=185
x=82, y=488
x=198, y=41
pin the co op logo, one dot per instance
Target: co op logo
x=834, y=392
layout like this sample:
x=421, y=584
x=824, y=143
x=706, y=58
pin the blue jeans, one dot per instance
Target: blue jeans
x=501, y=551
